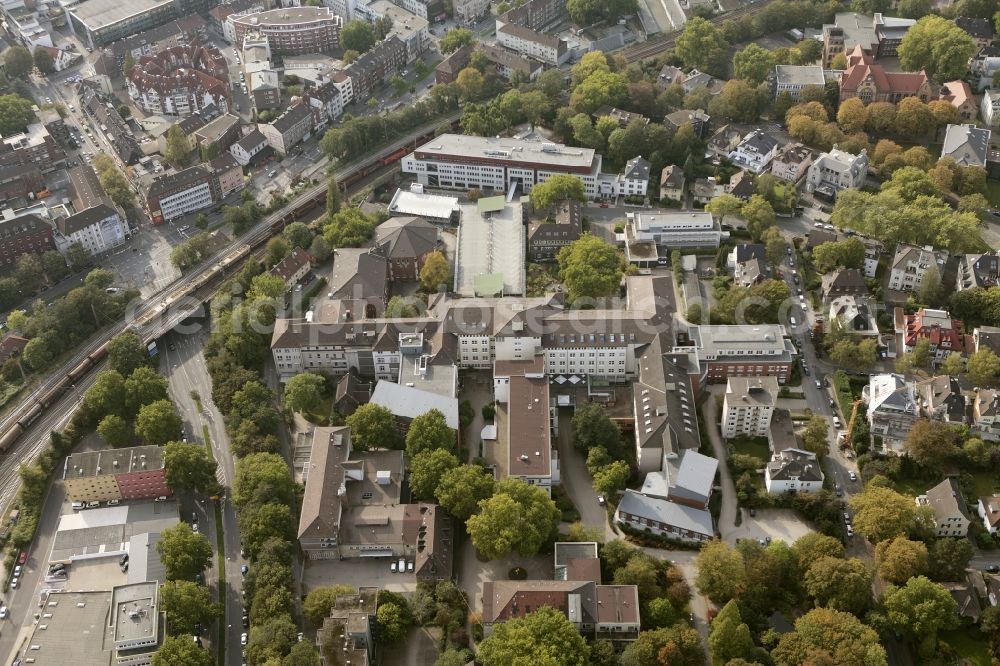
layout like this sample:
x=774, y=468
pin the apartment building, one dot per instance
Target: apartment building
x=295, y=266
x=945, y=334
x=792, y=79
x=546, y=239
x=529, y=43
x=468, y=12
x=409, y=28
x=988, y=509
x=986, y=414
x=634, y=180
x=793, y=470
x=893, y=408
x=375, y=66
x=34, y=147
x=227, y=176
x=525, y=419
x=910, y=264
x=968, y=145
x=24, y=231
x=837, y=170
x=748, y=406
x=248, y=147
x=288, y=129
x=989, y=108
x=292, y=30
x=326, y=102
x=180, y=81
x=741, y=351
x=115, y=474
x=983, y=65
x=150, y=42
x=755, y=152
x=173, y=195
x=792, y=162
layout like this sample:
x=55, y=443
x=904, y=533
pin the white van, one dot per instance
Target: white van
x=791, y=320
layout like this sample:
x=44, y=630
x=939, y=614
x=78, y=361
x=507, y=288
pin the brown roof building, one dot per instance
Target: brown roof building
x=869, y=81
x=181, y=80
x=295, y=266
x=545, y=240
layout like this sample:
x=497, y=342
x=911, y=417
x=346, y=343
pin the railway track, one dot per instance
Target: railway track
x=663, y=43
x=30, y=422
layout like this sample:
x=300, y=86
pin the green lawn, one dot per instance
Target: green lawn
x=912, y=487
x=969, y=645
x=754, y=446
x=985, y=483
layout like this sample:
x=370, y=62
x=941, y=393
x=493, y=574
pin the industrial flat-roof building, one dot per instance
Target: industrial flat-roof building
x=100, y=22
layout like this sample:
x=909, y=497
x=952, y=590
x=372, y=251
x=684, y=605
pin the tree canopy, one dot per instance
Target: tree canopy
x=427, y=468
x=937, y=46
x=357, y=35
x=518, y=517
x=427, y=432
x=304, y=392
x=555, y=189
x=373, y=426
x=461, y=489
x=184, y=553
x=828, y=636
x=590, y=268
x=188, y=467
x=545, y=636
x=158, y=422
x=882, y=513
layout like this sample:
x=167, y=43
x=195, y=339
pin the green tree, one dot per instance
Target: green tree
x=828, y=636
x=44, y=61
x=753, y=64
x=612, y=479
x=39, y=352
x=470, y=84
x=702, y=46
x=592, y=427
x=774, y=245
x=882, y=513
x=303, y=653
x=843, y=585
x=816, y=437
x=18, y=62
x=143, y=387
x=304, y=392
x=357, y=36
x=262, y=478
x=178, y=150
x=106, y=395
x=54, y=266
x=730, y=637
x=453, y=657
x=391, y=623
x=435, y=272
x=518, y=517
x=269, y=521
x=158, y=423
x=590, y=268
x=953, y=364
x=126, y=352
x=556, y=189
x=427, y=468
x=429, y=431
x=318, y=602
x=15, y=111
x=937, y=46
x=461, y=489
x=186, y=604
x=848, y=253
x=914, y=9
x=29, y=273
x=931, y=444
x=983, y=368
x=659, y=613
x=949, y=558
x=679, y=645
x=920, y=609
x=721, y=574
x=455, y=39
x=373, y=426
x=544, y=636
x=320, y=249
x=599, y=89
x=180, y=651
x=724, y=206
x=759, y=215
x=184, y=553
x=276, y=250
x=298, y=235
x=188, y=467
x=813, y=546
x=900, y=559
x=114, y=430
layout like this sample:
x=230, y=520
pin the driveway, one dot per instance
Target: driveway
x=779, y=524
x=727, y=516
x=576, y=480
x=472, y=573
x=358, y=572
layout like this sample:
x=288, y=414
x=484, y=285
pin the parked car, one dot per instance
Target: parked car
x=22, y=557
x=243, y=638
x=78, y=505
x=114, y=502
x=3, y=612
x=991, y=568
x=852, y=476
x=392, y=567
x=401, y=565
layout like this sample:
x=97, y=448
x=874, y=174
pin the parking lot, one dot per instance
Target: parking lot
x=779, y=524
x=357, y=572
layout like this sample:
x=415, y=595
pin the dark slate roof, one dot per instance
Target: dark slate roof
x=85, y=218
x=749, y=251
x=977, y=27
x=637, y=169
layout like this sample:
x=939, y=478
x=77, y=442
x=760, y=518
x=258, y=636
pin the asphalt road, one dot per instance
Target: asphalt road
x=185, y=369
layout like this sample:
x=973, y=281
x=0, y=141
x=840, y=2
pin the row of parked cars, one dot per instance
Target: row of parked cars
x=77, y=506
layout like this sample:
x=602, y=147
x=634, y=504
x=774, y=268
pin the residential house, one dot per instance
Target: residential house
x=989, y=109
x=986, y=337
x=741, y=186
x=405, y=242
x=792, y=162
x=227, y=175
x=634, y=180
x=669, y=76
x=755, y=152
x=749, y=264
x=622, y=117
x=983, y=65
x=672, y=183
x=288, y=129
x=546, y=239
x=980, y=29
x=817, y=237
x=704, y=190
x=941, y=399
x=793, y=470
x=959, y=94
x=844, y=282
x=351, y=393
x=724, y=141
x=697, y=118
x=376, y=66
x=986, y=414
x=748, y=406
x=837, y=170
x=893, y=408
x=550, y=49
x=248, y=147
x=910, y=264
x=24, y=231
x=792, y=79
x=12, y=346
x=966, y=599
x=870, y=82
x=968, y=145
x=951, y=519
x=873, y=250
x=978, y=270
x=989, y=510
x=856, y=314
x=945, y=334
x=295, y=266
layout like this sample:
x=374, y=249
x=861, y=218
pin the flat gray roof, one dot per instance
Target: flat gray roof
x=98, y=14
x=108, y=531
x=488, y=244
x=670, y=513
x=136, y=613
x=73, y=628
x=405, y=202
x=534, y=154
x=410, y=402
x=803, y=75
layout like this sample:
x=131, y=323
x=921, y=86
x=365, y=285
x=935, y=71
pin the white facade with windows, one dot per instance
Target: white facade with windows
x=97, y=229
x=194, y=198
x=748, y=406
